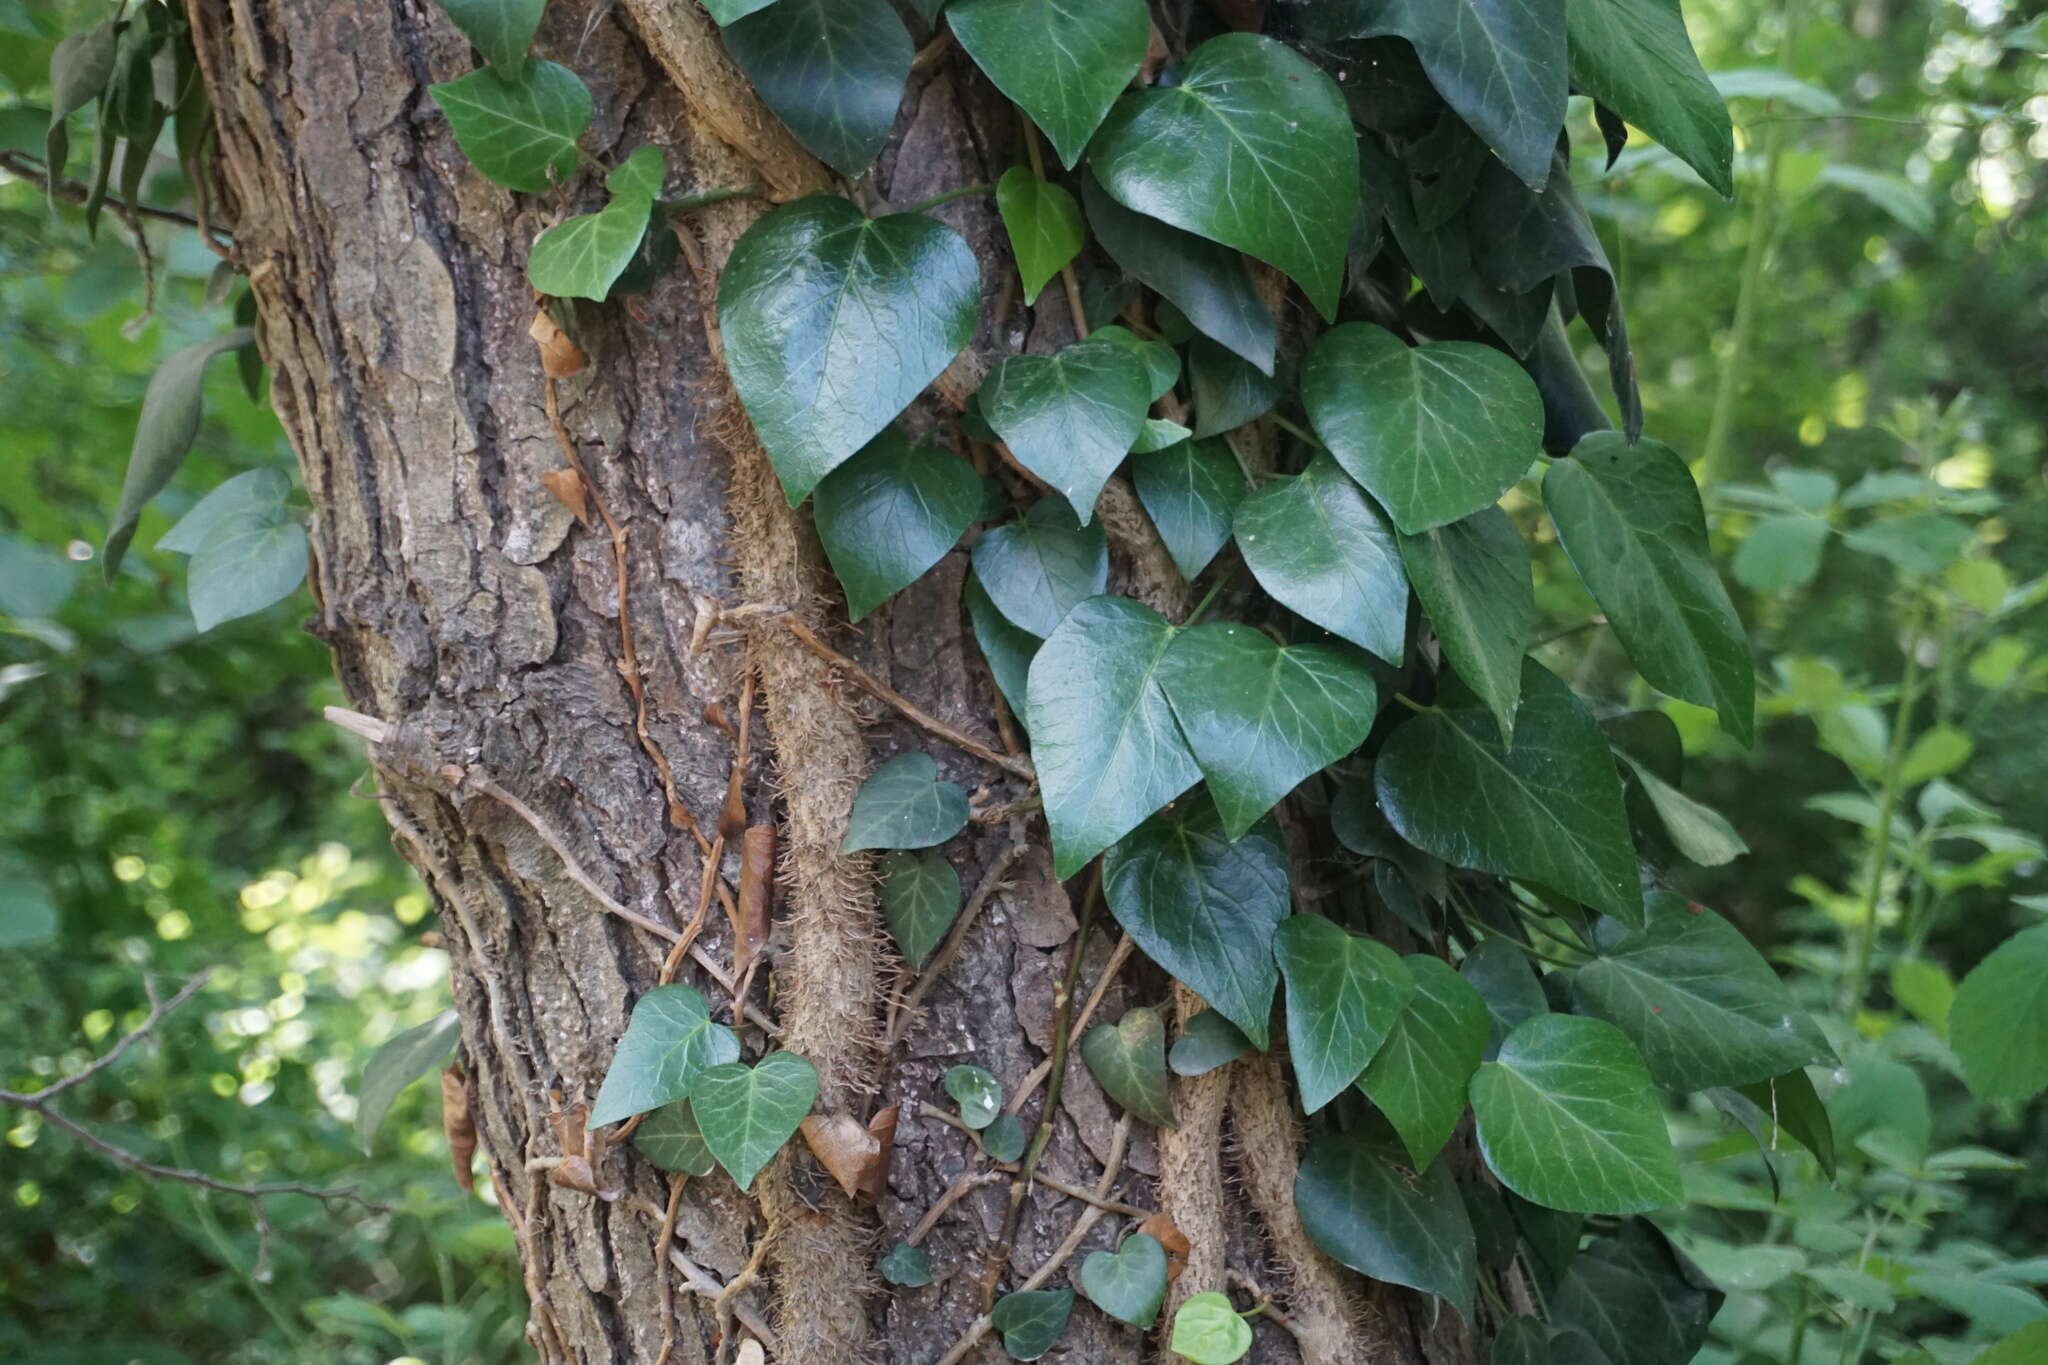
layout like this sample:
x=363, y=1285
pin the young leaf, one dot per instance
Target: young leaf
x=1102, y=732
x=747, y=1113
x=890, y=513
x=1474, y=580
x=1129, y=1284
x=669, y=1137
x=164, y=433
x=1208, y=1331
x=1634, y=57
x=1157, y=434
x=1780, y=553
x=1344, y=993
x=1254, y=149
x=1032, y=1321
x=1260, y=717
x=903, y=804
x=1568, y=1119
x=1326, y=554
x=1227, y=389
x=1037, y=569
x=1548, y=810
x=978, y=1093
x=1999, y=1022
x=1369, y=1210
x=251, y=565
x=1063, y=62
x=1070, y=418
x=1191, y=491
x=1205, y=908
x=832, y=70
x=1007, y=649
x=500, y=29
x=920, y=896
x=257, y=496
x=1044, y=224
x=1699, y=832
x=907, y=1266
x=518, y=133
x=584, y=256
x=812, y=294
x=397, y=1064
x=669, y=1042
x=1208, y=1041
x=1005, y=1138
x=1128, y=1059
x=1418, y=1076
x=1629, y=517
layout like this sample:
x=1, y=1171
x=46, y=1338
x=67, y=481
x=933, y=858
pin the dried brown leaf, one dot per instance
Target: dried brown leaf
x=567, y=486
x=559, y=356
x=1161, y=1228
x=844, y=1147
x=458, y=1126
x=757, y=885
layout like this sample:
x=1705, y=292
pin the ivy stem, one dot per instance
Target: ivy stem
x=1069, y=282
x=1298, y=433
x=964, y=192
x=1413, y=705
x=1887, y=806
x=690, y=203
x=1222, y=582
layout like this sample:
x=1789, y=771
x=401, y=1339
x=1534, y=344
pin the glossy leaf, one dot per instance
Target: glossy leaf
x=1070, y=418
x=1999, y=1022
x=1207, y=1042
x=1568, y=1119
x=890, y=513
x=812, y=294
x=728, y=11
x=1507, y=983
x=832, y=70
x=903, y=804
x=978, y=1093
x=1634, y=57
x=1327, y=554
x=1128, y=1059
x=1699, y=832
x=920, y=894
x=747, y=1113
x=1007, y=649
x=1473, y=578
x=1435, y=433
x=669, y=1137
x=396, y=1064
x=500, y=29
x=169, y=422
x=1547, y=810
x=1044, y=223
x=1369, y=1210
x=1205, y=908
x=670, y=1041
x=582, y=257
x=906, y=1266
x=1634, y=1300
x=1038, y=568
x=518, y=133
x=1254, y=149
x=1208, y=1331
x=1032, y=1321
x=1161, y=361
x=1344, y=994
x=1063, y=62
x=1004, y=1139
x=1227, y=389
x=1129, y=1284
x=249, y=566
x=1108, y=750
x=1417, y=1078
x=1158, y=434
x=257, y=495
x=1191, y=491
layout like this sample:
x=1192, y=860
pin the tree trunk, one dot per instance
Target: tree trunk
x=467, y=606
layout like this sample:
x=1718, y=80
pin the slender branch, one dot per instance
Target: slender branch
x=668, y=1288
x=24, y=167
x=128, y=1040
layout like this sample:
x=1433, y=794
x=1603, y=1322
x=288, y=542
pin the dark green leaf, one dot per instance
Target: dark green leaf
x=670, y=1041
x=256, y=496
x=252, y=565
x=1344, y=994
x=832, y=70
x=1999, y=1022
x=1635, y=58
x=730, y=11
x=1228, y=390
x=903, y=804
x=1418, y=1076
x=1070, y=418
x=1780, y=553
x=1548, y=810
x=518, y=133
x=1697, y=831
x=582, y=257
x=1435, y=432
x=1063, y=62
x=1208, y=1331
x=1130, y=1283
x=80, y=66
x=747, y=1113
x=1506, y=982
x=1473, y=578
x=1031, y=1322
x=1007, y=649
x=1037, y=569
x=1208, y=1041
x=1162, y=362
x=1128, y=1059
x=1635, y=1299
x=890, y=513
x=500, y=29
x=907, y=1266
x=397, y=1064
x=1004, y=1139
x=1191, y=491
x=2026, y=1346
x=1790, y=1102
x=669, y=1138
x=1369, y=1210
x=978, y=1093
x=171, y=409
x=1044, y=223
x=920, y=895
x=1254, y=149
x=1108, y=750
x=814, y=292
x=1568, y=1119
x=1327, y=554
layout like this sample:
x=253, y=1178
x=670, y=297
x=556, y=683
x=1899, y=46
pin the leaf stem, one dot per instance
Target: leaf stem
x=1222, y=582
x=1887, y=807
x=1298, y=433
x=690, y=203
x=965, y=191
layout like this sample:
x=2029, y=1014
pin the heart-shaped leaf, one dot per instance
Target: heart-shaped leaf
x=903, y=804
x=1999, y=1022
x=1128, y=1059
x=1044, y=223
x=1254, y=149
x=669, y=1137
x=1344, y=994
x=1208, y=1331
x=1208, y=1041
x=1004, y=1139
x=1701, y=834
x=1473, y=577
x=1031, y=1321
x=1070, y=418
x=1548, y=810
x=1568, y=1119
x=1205, y=908
x=1191, y=492
x=747, y=1113
x=1368, y=1209
x=257, y=496
x=890, y=513
x=500, y=29
x=907, y=1266
x=920, y=895
x=1162, y=362
x=832, y=70
x=1632, y=1297
x=1260, y=717
x=1102, y=732
x=1035, y=570
x=1434, y=432
x=1129, y=1284
x=669, y=1042
x=171, y=409
x=1326, y=554
x=1634, y=57
x=1157, y=434
x=396, y=1064
x=978, y=1093
x=1418, y=1076
x=812, y=294
x=1007, y=649
x=1063, y=62
x=584, y=256
x=518, y=133
x=1497, y=969
x=1227, y=389
x=250, y=566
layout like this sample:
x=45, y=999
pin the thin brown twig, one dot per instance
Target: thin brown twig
x=955, y=1192
x=159, y=1008
x=663, y=1267
x=1264, y=1301
x=932, y=1111
x=25, y=167
x=704, y=1284
x=722, y=1302
x=1124, y=949
x=991, y=880
x=1059, y=1186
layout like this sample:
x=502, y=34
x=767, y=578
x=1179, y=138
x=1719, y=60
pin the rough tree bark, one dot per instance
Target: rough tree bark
x=464, y=603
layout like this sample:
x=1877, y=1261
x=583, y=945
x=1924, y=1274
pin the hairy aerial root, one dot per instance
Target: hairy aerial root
x=1191, y=1175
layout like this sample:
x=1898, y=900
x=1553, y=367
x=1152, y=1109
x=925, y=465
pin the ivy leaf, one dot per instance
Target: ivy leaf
x=1630, y=518
x=1568, y=1119
x=1369, y=1210
x=1474, y=579
x=1162, y=362
x=890, y=513
x=1548, y=810
x=731, y=11
x=669, y=1137
x=1999, y=1022
x=813, y=293
x=256, y=495
x=1698, y=1001
x=1191, y=491
x=500, y=29
x=747, y=1113
x=171, y=408
x=978, y=1093
x=1418, y=1076
x=1037, y=569
x=1254, y=149
x=1634, y=1299
x=1129, y=1284
x=1044, y=223
x=1634, y=57
x=920, y=895
x=1158, y=434
x=1791, y=1103
x=1506, y=982
x=832, y=70
x=1108, y=750
x=1070, y=418
x=80, y=66
x=1063, y=62
x=1205, y=908
x=1699, y=832
x=1208, y=283
x=251, y=565
x=903, y=804
x=1228, y=390
x=518, y=133
x=1208, y=1331
x=1327, y=554
x=1260, y=717
x=400, y=1061
x=1031, y=1321
x=1344, y=994
x=1005, y=1139
x=907, y=1266
x=1434, y=433
x=1128, y=1059
x=583, y=257
x=670, y=1041
x=1207, y=1042
x=1007, y=649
